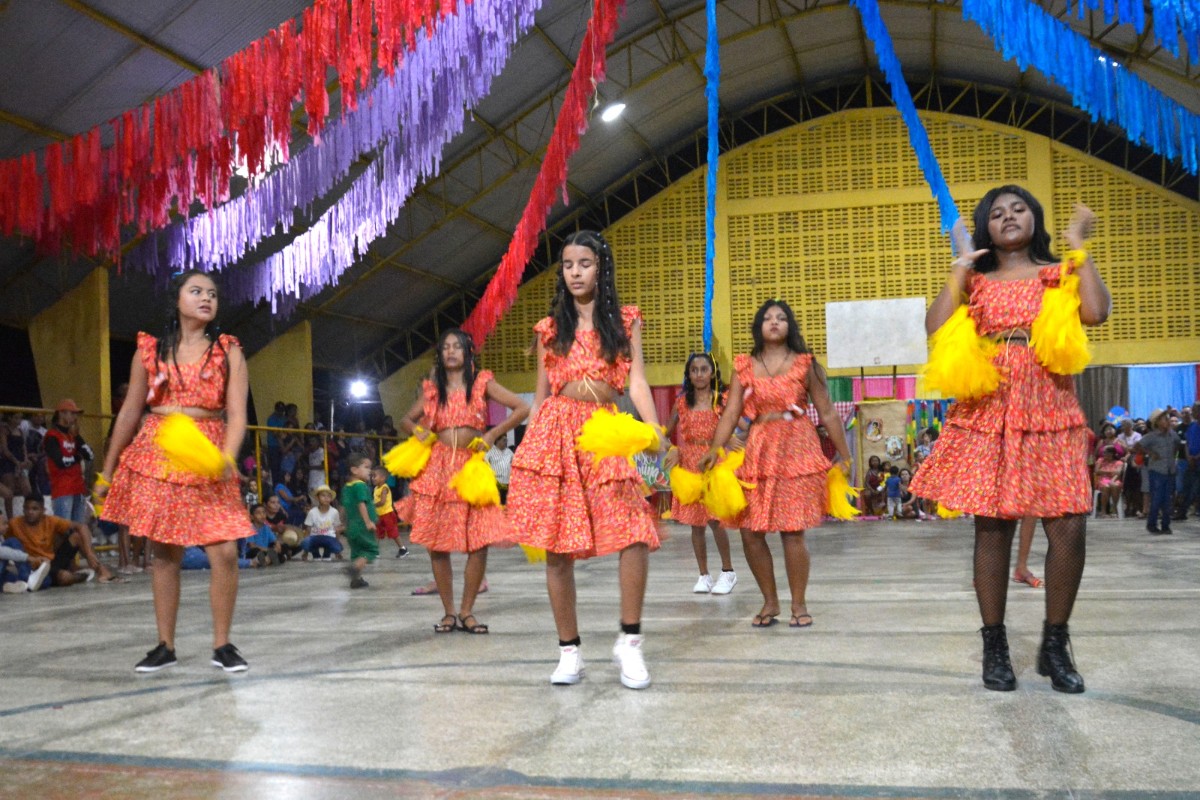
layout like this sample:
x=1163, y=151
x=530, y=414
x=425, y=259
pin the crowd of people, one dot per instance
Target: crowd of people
x=1016, y=453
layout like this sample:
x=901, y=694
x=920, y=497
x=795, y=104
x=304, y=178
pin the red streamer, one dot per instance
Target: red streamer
x=589, y=71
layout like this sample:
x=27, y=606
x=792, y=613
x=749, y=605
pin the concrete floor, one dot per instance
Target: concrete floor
x=352, y=693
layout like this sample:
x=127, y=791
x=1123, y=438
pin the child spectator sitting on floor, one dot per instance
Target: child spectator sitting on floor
x=321, y=527
x=262, y=548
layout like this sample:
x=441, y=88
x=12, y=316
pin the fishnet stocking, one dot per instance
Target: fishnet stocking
x=1065, y=551
x=993, y=548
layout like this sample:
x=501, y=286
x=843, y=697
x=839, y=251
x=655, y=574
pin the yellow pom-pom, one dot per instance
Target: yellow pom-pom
x=960, y=361
x=723, y=495
x=1057, y=336
x=839, y=490
x=476, y=481
x=187, y=449
x=947, y=513
x=608, y=433
x=407, y=459
x=687, y=486
x=533, y=554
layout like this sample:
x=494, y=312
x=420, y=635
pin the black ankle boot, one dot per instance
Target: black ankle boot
x=997, y=668
x=1054, y=660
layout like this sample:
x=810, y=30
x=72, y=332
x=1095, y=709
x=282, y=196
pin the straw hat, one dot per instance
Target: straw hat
x=1154, y=415
x=315, y=494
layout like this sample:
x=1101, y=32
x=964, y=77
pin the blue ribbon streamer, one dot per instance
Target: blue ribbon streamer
x=917, y=137
x=1172, y=19
x=712, y=78
x=1098, y=85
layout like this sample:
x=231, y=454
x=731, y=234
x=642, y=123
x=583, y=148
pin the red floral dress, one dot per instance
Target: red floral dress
x=696, y=428
x=441, y=520
x=784, y=460
x=558, y=499
x=178, y=507
x=1022, y=450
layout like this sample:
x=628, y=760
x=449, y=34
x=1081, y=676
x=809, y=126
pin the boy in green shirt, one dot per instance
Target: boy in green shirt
x=360, y=519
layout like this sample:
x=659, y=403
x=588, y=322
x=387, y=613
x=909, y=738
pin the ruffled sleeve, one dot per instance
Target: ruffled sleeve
x=546, y=330
x=429, y=393
x=479, y=387
x=630, y=315
x=681, y=405
x=743, y=367
x=1049, y=275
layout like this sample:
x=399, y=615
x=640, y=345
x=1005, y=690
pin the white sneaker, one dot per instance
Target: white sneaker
x=704, y=585
x=725, y=583
x=38, y=576
x=15, y=587
x=570, y=666
x=86, y=574
x=627, y=654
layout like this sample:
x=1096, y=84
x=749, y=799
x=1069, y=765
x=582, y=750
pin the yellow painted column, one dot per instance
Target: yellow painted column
x=71, y=356
x=283, y=370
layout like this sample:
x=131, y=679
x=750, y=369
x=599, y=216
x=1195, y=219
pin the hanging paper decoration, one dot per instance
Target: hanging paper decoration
x=589, y=71
x=446, y=73
x=1172, y=19
x=222, y=236
x=179, y=147
x=918, y=139
x=712, y=85
x=1097, y=84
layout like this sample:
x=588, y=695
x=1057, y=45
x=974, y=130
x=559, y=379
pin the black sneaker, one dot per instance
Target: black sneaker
x=358, y=583
x=229, y=659
x=1166, y=531
x=402, y=552
x=158, y=658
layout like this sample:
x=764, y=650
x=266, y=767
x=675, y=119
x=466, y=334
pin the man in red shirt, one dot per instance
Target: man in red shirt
x=52, y=544
x=65, y=453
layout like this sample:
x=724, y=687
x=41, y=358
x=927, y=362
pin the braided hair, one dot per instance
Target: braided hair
x=717, y=385
x=1039, y=245
x=606, y=319
x=439, y=367
x=168, y=340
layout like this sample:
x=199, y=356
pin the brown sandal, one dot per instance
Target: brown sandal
x=477, y=626
x=446, y=627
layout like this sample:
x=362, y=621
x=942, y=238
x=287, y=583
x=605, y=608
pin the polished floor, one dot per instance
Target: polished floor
x=352, y=694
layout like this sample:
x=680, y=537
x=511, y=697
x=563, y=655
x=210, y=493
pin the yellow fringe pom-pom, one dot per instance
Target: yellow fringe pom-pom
x=1057, y=336
x=476, y=481
x=533, y=554
x=947, y=513
x=408, y=459
x=839, y=490
x=687, y=486
x=608, y=433
x=723, y=495
x=187, y=449
x=960, y=360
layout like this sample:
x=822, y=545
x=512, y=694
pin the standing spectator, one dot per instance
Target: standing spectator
x=500, y=458
x=1127, y=437
x=1159, y=446
x=14, y=465
x=290, y=446
x=892, y=485
x=314, y=459
x=277, y=420
x=34, y=429
x=65, y=453
x=1191, y=480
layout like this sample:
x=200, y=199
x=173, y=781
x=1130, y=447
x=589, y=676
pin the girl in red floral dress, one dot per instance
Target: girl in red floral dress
x=784, y=462
x=454, y=406
x=561, y=499
x=195, y=370
x=697, y=412
x=1020, y=451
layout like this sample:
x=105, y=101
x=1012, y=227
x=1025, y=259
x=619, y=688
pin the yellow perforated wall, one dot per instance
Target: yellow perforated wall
x=837, y=209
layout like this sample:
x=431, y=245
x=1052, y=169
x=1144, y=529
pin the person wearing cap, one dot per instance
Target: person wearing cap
x=1159, y=446
x=65, y=453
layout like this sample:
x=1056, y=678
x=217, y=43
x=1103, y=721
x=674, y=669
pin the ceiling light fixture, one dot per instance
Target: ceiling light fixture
x=612, y=112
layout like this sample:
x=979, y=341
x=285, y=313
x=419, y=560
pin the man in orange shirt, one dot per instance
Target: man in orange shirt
x=52, y=544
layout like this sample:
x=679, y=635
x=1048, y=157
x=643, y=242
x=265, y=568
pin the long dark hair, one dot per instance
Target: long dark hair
x=606, y=318
x=439, y=366
x=689, y=391
x=1039, y=245
x=795, y=342
x=168, y=341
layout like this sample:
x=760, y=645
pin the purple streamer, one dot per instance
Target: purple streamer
x=410, y=114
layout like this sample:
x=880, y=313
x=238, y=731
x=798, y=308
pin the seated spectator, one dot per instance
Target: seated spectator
x=262, y=548
x=1110, y=469
x=52, y=544
x=910, y=504
x=14, y=562
x=322, y=527
x=288, y=501
x=194, y=557
x=873, y=495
